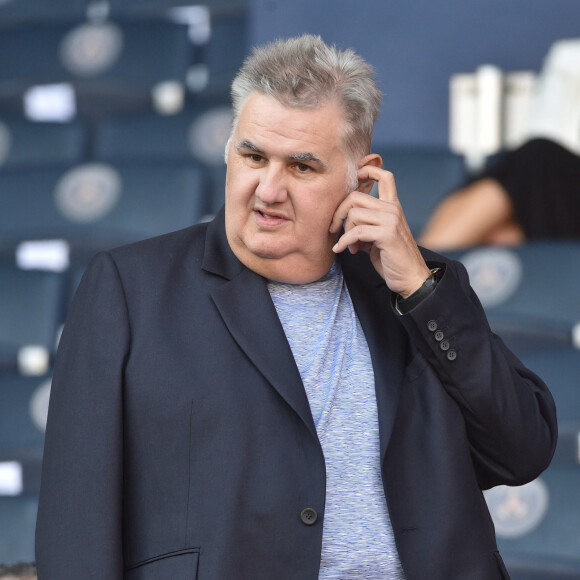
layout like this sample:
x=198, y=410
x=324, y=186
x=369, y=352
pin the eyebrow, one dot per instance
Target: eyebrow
x=294, y=157
x=245, y=144
x=308, y=158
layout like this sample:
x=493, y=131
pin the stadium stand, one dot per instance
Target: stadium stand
x=111, y=66
x=197, y=134
x=529, y=292
x=23, y=409
x=67, y=189
x=31, y=312
x=25, y=143
x=95, y=206
x=537, y=524
x=29, y=11
x=147, y=129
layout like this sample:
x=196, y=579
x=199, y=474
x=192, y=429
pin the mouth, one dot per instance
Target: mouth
x=269, y=218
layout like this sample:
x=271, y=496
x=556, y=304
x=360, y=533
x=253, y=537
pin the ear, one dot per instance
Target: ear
x=374, y=159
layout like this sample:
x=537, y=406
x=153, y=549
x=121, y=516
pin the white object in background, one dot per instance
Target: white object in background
x=52, y=255
x=518, y=96
x=10, y=478
x=38, y=406
x=168, y=97
x=489, y=87
x=576, y=336
x=33, y=360
x=197, y=18
x=91, y=49
x=475, y=114
x=462, y=112
x=5, y=142
x=55, y=102
x=556, y=109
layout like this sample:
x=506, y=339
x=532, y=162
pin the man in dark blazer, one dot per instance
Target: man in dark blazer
x=186, y=436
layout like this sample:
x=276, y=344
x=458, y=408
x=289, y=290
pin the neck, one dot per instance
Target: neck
x=292, y=269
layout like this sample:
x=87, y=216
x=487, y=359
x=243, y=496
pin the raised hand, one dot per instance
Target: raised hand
x=379, y=227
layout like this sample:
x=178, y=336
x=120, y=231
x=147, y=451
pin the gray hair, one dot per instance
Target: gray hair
x=304, y=72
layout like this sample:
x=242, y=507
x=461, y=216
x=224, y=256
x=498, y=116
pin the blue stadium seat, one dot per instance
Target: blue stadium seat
x=530, y=293
x=23, y=409
x=31, y=312
x=423, y=176
x=530, y=567
x=31, y=144
x=28, y=11
x=112, y=65
x=537, y=525
x=225, y=51
x=199, y=133
x=560, y=369
x=17, y=526
x=96, y=206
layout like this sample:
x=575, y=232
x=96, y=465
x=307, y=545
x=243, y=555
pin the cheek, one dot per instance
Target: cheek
x=317, y=217
x=240, y=187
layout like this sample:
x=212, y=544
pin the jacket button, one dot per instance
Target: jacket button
x=451, y=355
x=444, y=345
x=432, y=325
x=308, y=516
x=439, y=335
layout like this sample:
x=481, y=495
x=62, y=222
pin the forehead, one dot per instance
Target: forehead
x=267, y=122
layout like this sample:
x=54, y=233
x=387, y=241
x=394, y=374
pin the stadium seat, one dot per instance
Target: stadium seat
x=112, y=65
x=529, y=567
x=530, y=293
x=31, y=312
x=224, y=52
x=96, y=206
x=31, y=11
x=23, y=409
x=423, y=176
x=199, y=133
x=537, y=524
x=560, y=369
x=17, y=526
x=31, y=144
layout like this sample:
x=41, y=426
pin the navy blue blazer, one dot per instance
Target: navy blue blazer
x=180, y=443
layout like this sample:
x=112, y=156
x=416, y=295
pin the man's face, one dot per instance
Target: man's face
x=286, y=175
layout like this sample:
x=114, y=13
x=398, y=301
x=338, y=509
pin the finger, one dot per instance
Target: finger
x=385, y=180
x=356, y=199
x=360, y=236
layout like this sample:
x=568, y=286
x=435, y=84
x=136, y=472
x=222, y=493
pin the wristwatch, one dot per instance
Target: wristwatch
x=405, y=305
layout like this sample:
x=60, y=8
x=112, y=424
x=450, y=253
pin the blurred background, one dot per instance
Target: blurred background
x=113, y=120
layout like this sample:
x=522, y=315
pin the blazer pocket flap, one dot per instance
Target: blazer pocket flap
x=180, y=565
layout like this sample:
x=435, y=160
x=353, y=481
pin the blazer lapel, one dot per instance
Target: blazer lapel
x=386, y=338
x=246, y=308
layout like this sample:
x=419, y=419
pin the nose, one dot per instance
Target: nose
x=272, y=186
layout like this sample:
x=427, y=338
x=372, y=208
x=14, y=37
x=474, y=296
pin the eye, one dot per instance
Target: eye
x=255, y=157
x=303, y=168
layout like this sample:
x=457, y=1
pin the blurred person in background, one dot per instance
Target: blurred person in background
x=533, y=191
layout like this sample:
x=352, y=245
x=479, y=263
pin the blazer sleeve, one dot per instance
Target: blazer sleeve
x=509, y=413
x=79, y=525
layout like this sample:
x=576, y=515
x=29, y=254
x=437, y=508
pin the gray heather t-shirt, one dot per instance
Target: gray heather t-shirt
x=333, y=358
